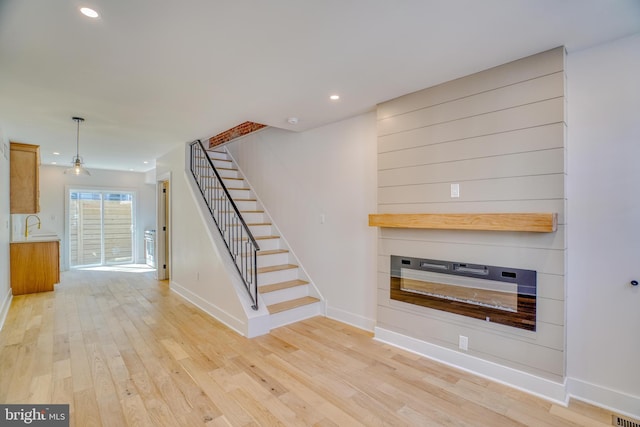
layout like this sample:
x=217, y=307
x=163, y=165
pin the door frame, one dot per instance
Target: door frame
x=65, y=251
x=163, y=219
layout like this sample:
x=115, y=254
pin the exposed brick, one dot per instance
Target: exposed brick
x=235, y=132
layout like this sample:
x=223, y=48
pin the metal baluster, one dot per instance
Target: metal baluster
x=227, y=217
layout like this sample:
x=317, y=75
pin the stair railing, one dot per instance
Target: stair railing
x=234, y=230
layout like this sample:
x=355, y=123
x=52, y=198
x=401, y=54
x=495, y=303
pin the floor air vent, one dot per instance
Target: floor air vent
x=624, y=422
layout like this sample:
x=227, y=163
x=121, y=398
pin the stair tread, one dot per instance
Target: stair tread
x=250, y=224
x=272, y=268
x=288, y=305
x=228, y=188
x=266, y=237
x=260, y=237
x=247, y=212
x=262, y=252
x=228, y=169
x=273, y=252
x=281, y=285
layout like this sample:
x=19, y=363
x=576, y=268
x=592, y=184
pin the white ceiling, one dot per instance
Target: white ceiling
x=150, y=74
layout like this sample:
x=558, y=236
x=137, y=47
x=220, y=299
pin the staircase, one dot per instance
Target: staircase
x=282, y=285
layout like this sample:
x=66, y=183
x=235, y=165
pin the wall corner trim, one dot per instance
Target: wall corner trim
x=528, y=383
x=619, y=402
x=214, y=311
x=4, y=307
x=349, y=318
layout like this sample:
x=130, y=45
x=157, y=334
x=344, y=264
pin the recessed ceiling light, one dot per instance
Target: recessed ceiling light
x=55, y=153
x=89, y=12
x=54, y=163
x=334, y=97
x=145, y=162
x=292, y=120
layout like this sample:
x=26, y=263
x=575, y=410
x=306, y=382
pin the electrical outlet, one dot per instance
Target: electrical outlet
x=463, y=342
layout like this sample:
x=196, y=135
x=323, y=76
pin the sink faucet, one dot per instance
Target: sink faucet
x=26, y=225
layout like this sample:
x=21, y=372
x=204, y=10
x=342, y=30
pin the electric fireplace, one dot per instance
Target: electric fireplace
x=490, y=293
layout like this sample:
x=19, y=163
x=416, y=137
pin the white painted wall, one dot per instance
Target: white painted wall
x=328, y=171
x=5, y=235
x=603, y=309
x=52, y=202
x=198, y=272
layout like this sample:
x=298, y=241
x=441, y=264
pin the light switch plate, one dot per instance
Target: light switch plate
x=455, y=190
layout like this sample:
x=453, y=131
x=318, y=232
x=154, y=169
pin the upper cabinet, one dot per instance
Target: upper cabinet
x=24, y=190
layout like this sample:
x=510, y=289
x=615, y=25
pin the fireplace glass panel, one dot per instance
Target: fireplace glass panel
x=493, y=294
x=481, y=292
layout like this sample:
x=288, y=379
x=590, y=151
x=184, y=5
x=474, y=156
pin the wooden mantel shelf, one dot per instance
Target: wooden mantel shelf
x=534, y=222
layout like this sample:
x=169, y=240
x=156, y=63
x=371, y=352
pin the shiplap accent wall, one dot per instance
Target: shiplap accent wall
x=500, y=134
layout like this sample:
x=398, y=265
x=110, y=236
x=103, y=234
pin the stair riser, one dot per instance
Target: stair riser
x=228, y=173
x=269, y=244
x=240, y=194
x=260, y=230
x=295, y=315
x=275, y=259
x=246, y=205
x=217, y=156
x=251, y=217
x=277, y=276
x=233, y=238
x=217, y=191
x=225, y=216
x=234, y=183
x=221, y=163
x=288, y=294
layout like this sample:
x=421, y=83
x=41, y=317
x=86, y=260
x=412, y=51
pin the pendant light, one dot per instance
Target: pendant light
x=77, y=168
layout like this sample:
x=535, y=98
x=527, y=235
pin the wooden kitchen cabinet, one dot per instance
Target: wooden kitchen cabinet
x=35, y=266
x=24, y=181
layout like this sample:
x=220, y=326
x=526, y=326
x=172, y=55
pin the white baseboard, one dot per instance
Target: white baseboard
x=214, y=311
x=541, y=387
x=4, y=307
x=613, y=400
x=350, y=318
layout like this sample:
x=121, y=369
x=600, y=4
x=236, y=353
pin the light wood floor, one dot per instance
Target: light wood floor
x=121, y=349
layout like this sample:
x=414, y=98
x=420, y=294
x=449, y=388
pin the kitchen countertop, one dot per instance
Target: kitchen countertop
x=37, y=238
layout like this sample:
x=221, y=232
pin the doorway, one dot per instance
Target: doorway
x=101, y=227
